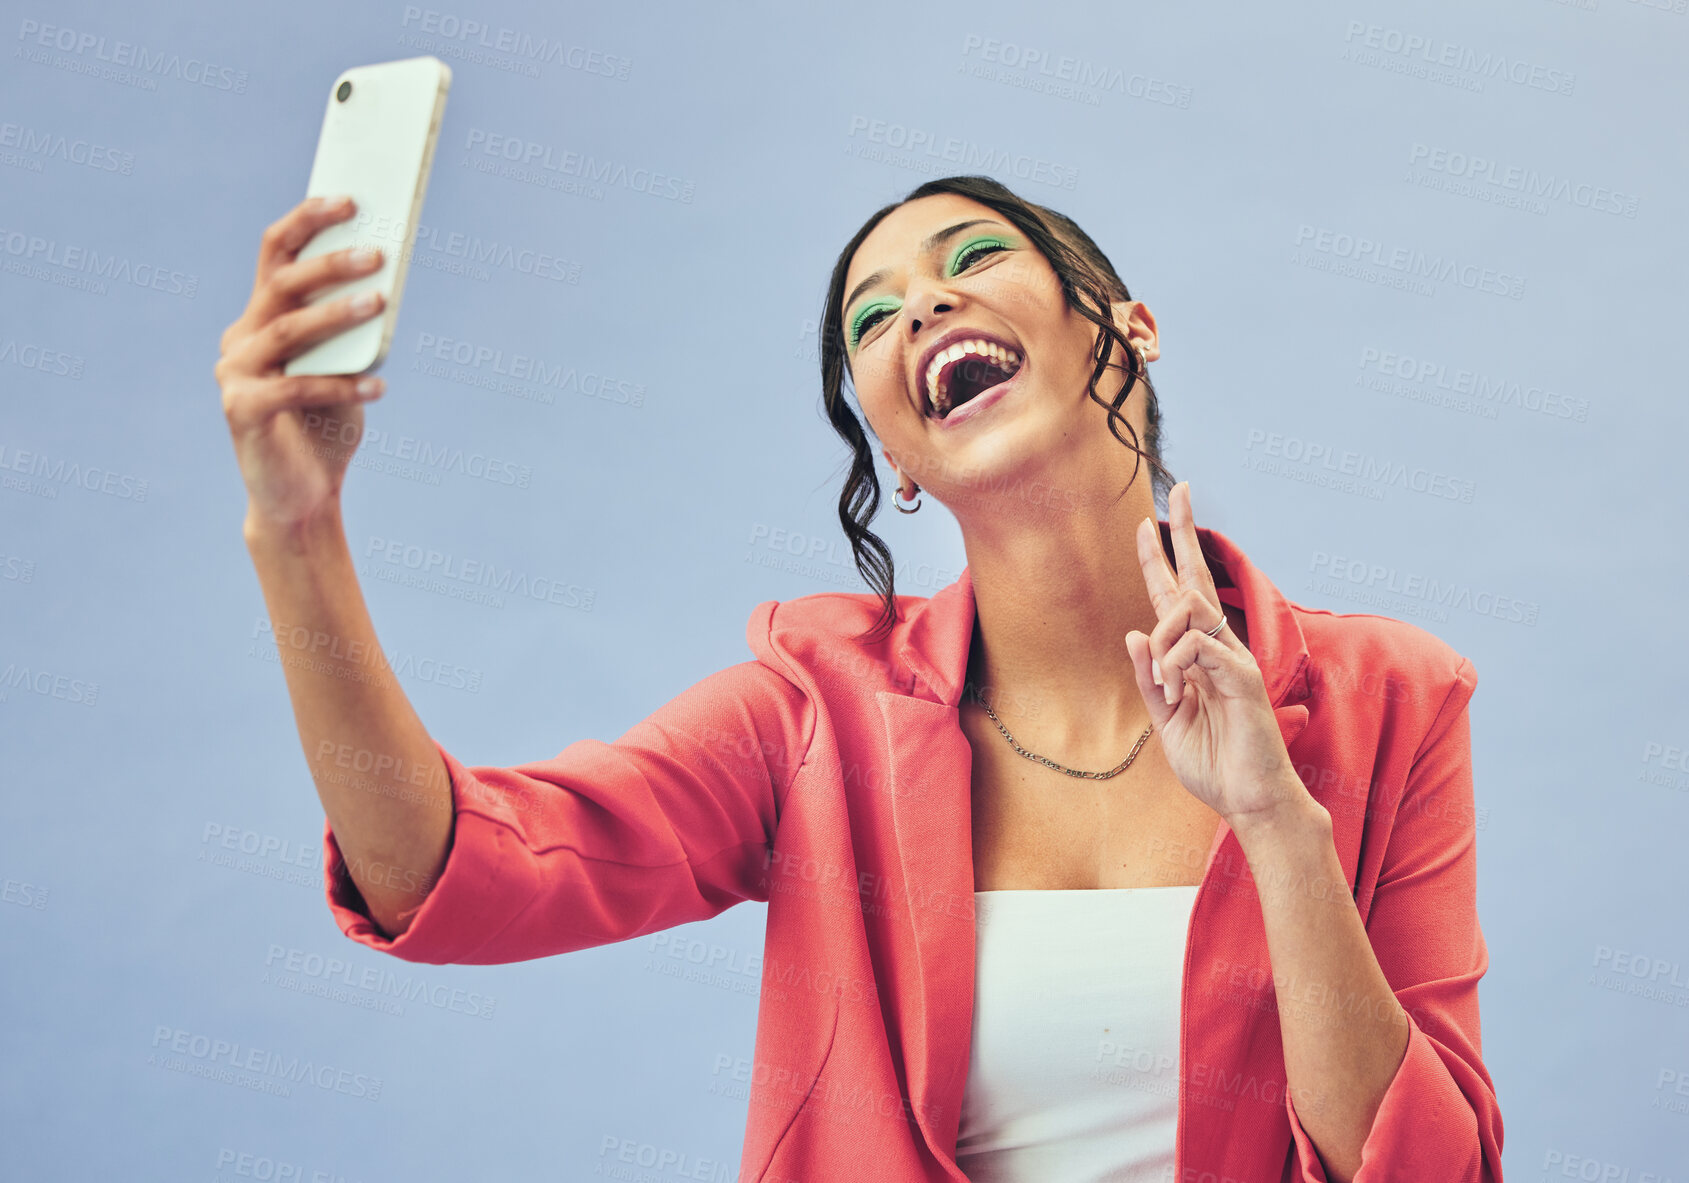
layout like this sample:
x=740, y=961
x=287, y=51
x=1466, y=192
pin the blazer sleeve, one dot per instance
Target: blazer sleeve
x=673, y=822
x=1438, y=1118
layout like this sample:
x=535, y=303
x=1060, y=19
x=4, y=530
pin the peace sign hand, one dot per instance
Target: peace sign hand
x=1216, y=724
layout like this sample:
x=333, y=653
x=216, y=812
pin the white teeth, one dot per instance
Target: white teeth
x=1007, y=358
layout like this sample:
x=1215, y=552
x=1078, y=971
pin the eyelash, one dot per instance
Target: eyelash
x=984, y=245
x=991, y=243
x=868, y=321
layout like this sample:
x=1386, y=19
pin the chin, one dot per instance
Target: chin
x=1018, y=445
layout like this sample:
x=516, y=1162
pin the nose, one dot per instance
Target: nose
x=929, y=291
x=937, y=307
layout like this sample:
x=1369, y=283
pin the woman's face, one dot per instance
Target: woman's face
x=947, y=271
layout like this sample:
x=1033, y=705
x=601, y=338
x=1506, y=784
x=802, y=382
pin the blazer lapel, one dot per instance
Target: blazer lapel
x=931, y=766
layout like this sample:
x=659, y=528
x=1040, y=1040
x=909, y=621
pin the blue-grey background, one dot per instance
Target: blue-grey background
x=1227, y=156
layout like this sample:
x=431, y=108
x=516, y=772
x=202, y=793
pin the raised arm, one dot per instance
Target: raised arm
x=381, y=780
x=425, y=858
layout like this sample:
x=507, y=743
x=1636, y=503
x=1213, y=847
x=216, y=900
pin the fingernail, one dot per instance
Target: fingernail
x=364, y=302
x=1171, y=697
x=369, y=387
x=365, y=256
x=1155, y=671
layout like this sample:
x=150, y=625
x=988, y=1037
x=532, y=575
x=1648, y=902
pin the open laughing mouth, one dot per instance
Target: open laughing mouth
x=963, y=365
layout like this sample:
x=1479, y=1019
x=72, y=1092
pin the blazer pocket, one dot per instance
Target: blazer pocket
x=781, y=1144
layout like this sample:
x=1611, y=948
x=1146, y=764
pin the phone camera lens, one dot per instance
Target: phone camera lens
x=343, y=91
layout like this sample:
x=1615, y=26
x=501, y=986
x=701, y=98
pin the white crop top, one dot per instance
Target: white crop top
x=1073, y=1075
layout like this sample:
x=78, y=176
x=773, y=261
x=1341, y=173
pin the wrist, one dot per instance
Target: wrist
x=297, y=536
x=1292, y=816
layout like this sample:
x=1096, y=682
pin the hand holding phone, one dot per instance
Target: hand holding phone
x=377, y=147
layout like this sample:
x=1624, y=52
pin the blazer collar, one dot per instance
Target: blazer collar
x=935, y=644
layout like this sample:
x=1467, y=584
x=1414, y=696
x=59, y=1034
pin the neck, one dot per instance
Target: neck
x=1053, y=605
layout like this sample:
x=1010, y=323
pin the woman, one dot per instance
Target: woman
x=1221, y=846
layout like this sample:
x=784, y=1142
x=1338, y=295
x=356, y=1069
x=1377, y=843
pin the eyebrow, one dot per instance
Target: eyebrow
x=935, y=240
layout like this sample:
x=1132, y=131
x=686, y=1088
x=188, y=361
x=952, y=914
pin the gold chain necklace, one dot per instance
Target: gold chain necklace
x=1115, y=771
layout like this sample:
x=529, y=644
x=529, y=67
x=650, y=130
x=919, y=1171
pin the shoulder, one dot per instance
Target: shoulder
x=1384, y=659
x=827, y=634
x=828, y=613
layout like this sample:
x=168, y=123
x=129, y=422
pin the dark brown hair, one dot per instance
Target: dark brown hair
x=1084, y=271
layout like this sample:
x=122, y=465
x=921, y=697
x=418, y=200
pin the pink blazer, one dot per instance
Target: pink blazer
x=830, y=779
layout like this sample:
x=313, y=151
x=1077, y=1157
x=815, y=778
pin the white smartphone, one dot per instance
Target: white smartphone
x=376, y=146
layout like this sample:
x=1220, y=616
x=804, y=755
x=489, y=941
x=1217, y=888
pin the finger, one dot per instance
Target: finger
x=1193, y=565
x=1158, y=576
x=1187, y=611
x=1187, y=548
x=284, y=238
x=1197, y=654
x=1229, y=638
x=294, y=282
x=1199, y=677
x=290, y=283
x=294, y=332
x=1137, y=648
x=249, y=400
